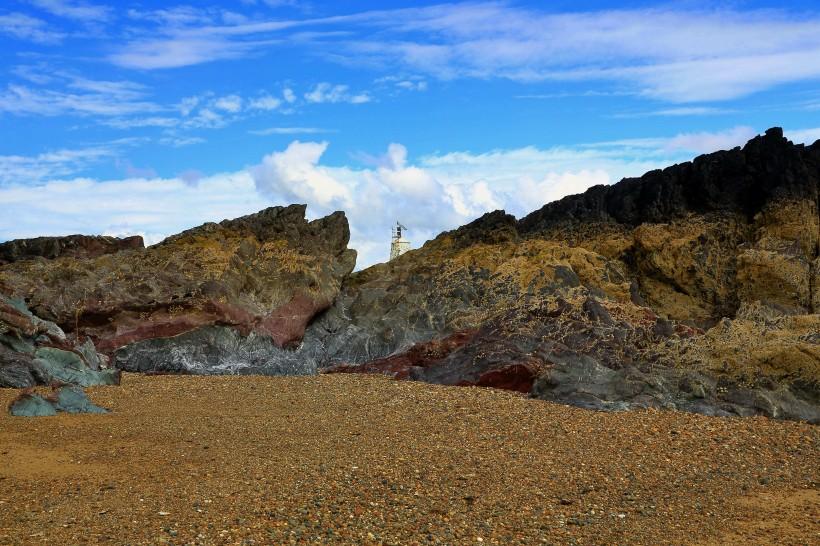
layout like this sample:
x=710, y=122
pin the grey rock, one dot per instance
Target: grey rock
x=213, y=350
x=74, y=400
x=32, y=405
x=68, y=367
x=66, y=399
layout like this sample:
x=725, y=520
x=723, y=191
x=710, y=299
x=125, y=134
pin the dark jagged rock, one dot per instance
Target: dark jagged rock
x=743, y=180
x=263, y=277
x=73, y=246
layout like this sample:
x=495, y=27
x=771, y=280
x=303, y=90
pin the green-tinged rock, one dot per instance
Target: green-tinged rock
x=32, y=405
x=74, y=400
x=70, y=368
x=67, y=399
x=17, y=344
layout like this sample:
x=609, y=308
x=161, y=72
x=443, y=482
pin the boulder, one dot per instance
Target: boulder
x=63, y=398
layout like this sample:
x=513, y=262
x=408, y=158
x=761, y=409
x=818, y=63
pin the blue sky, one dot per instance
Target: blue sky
x=151, y=117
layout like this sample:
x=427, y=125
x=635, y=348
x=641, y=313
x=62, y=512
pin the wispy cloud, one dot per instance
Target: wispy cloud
x=51, y=165
x=651, y=51
x=131, y=123
x=683, y=111
x=20, y=99
x=230, y=103
x=180, y=141
x=696, y=142
x=80, y=11
x=326, y=92
x=25, y=27
x=290, y=131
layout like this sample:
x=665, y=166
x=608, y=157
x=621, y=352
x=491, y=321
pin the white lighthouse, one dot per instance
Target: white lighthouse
x=398, y=244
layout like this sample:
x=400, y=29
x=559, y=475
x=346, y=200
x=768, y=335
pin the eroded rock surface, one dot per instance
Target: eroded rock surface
x=37, y=352
x=694, y=287
x=74, y=246
x=262, y=277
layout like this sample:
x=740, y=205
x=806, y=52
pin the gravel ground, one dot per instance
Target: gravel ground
x=364, y=459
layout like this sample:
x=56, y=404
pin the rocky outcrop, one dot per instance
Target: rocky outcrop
x=37, y=352
x=72, y=246
x=695, y=287
x=691, y=288
x=263, y=277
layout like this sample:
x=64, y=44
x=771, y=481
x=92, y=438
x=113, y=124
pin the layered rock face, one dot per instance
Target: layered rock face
x=694, y=287
x=183, y=304
x=75, y=246
x=37, y=352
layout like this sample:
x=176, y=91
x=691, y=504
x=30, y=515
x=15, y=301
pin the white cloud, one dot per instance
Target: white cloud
x=179, y=142
x=25, y=27
x=17, y=169
x=130, y=123
x=290, y=131
x=80, y=11
x=670, y=54
x=409, y=83
x=206, y=118
x=804, y=136
x=265, y=102
x=182, y=51
x=326, y=92
x=429, y=194
x=230, y=103
x=700, y=142
x=187, y=105
x=704, y=142
x=289, y=95
x=74, y=95
x=438, y=192
x=681, y=111
x=175, y=17
x=154, y=207
x=295, y=175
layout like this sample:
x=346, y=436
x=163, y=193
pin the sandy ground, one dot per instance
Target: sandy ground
x=363, y=459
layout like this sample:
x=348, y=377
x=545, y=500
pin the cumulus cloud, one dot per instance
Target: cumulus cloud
x=429, y=194
x=433, y=193
x=295, y=175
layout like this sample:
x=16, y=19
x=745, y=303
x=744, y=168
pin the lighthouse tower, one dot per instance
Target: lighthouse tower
x=398, y=244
